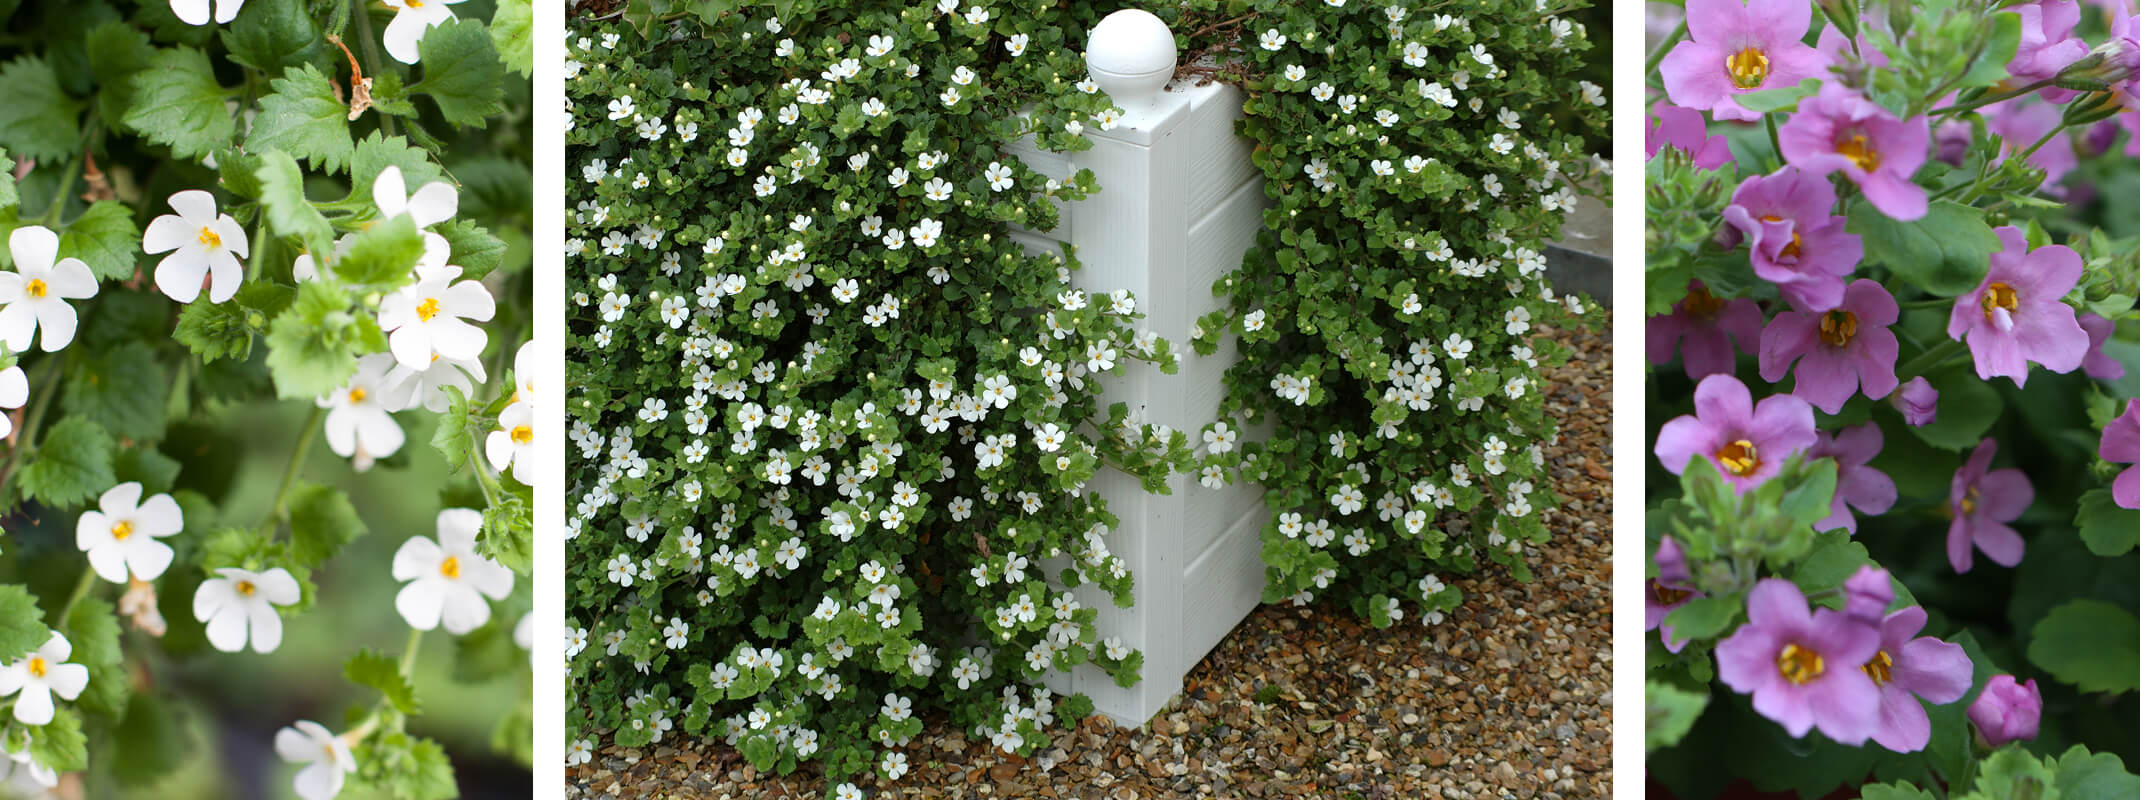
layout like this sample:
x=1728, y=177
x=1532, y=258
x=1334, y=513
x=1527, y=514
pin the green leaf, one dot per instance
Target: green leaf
x=1900, y=791
x=72, y=465
x=2090, y=644
x=462, y=72
x=276, y=35
x=1967, y=408
x=282, y=197
x=379, y=671
x=1812, y=501
x=475, y=250
x=2108, y=529
x=1990, y=66
x=94, y=632
x=1779, y=99
x=451, y=437
x=303, y=117
x=9, y=198
x=313, y=346
x=377, y=152
x=488, y=652
x=155, y=471
x=508, y=535
x=405, y=768
x=152, y=741
x=1704, y=617
x=105, y=238
x=1946, y=253
x=116, y=51
x=59, y=744
x=22, y=626
x=1669, y=712
x=382, y=254
x=512, y=32
x=321, y=522
x=177, y=102
x=37, y=118
x=125, y=390
x=2096, y=776
x=225, y=330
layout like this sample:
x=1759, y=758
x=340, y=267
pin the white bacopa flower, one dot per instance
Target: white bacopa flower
x=202, y=243
x=999, y=177
x=1294, y=72
x=1272, y=40
x=326, y=757
x=581, y=752
x=433, y=203
x=1220, y=438
x=196, y=12
x=407, y=388
x=36, y=293
x=39, y=675
x=447, y=581
x=14, y=391
x=359, y=420
x=120, y=536
x=1016, y=44
x=429, y=317
x=412, y=19
x=242, y=601
x=512, y=445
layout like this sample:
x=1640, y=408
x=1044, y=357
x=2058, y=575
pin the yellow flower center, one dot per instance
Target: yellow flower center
x=523, y=435
x=428, y=309
x=1799, y=665
x=122, y=529
x=1700, y=304
x=35, y=289
x=1838, y=327
x=356, y=395
x=1666, y=595
x=1969, y=501
x=209, y=239
x=38, y=667
x=451, y=567
x=1739, y=458
x=247, y=588
x=1859, y=151
x=2000, y=295
x=1748, y=68
x=1880, y=669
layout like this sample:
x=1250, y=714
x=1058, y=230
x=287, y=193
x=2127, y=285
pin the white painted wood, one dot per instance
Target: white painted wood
x=1179, y=203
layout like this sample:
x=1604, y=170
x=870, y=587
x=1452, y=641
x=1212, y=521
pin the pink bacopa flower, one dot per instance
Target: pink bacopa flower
x=1838, y=130
x=1802, y=665
x=1702, y=328
x=2006, y=711
x=1918, y=402
x=2121, y=445
x=1794, y=241
x=1908, y=667
x=2048, y=45
x=1733, y=48
x=2017, y=315
x=1673, y=587
x=2097, y=364
x=1982, y=501
x=1748, y=443
x=1857, y=485
x=1836, y=351
x=1684, y=129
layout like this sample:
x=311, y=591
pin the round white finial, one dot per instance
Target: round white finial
x=1130, y=55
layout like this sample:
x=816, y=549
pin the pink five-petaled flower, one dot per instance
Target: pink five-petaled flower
x=1857, y=485
x=1683, y=129
x=1838, y=350
x=1838, y=130
x=2121, y=445
x=1908, y=667
x=1793, y=240
x=1703, y=327
x=2006, y=710
x=1733, y=48
x=2017, y=315
x=1672, y=588
x=1748, y=443
x=2097, y=364
x=1802, y=665
x=1982, y=501
x=2047, y=44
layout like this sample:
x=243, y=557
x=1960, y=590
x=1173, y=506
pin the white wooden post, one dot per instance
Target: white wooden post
x=1179, y=203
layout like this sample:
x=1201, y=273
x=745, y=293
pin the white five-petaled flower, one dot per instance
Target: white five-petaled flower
x=430, y=317
x=196, y=12
x=202, y=244
x=14, y=391
x=412, y=18
x=38, y=676
x=513, y=443
x=120, y=536
x=433, y=203
x=359, y=423
x=243, y=601
x=35, y=295
x=447, y=580
x=326, y=758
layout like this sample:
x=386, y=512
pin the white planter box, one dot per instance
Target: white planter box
x=1179, y=203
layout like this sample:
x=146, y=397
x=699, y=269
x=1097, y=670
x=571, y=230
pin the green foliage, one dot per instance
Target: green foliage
x=462, y=72
x=1944, y=253
x=177, y=102
x=103, y=237
x=36, y=115
x=304, y=118
x=72, y=464
x=382, y=672
x=1669, y=712
x=22, y=627
x=2090, y=644
x=321, y=522
x=314, y=344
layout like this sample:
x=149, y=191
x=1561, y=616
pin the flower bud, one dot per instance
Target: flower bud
x=1867, y=594
x=1918, y=402
x=1951, y=142
x=2006, y=711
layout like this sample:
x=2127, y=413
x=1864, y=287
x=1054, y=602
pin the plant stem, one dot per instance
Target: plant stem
x=1774, y=143
x=276, y=512
x=1989, y=99
x=370, y=45
x=408, y=654
x=1930, y=302
x=81, y=590
x=1928, y=359
x=1664, y=47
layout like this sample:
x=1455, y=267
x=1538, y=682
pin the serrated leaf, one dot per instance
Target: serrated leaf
x=22, y=626
x=124, y=390
x=275, y=36
x=475, y=250
x=225, y=330
x=282, y=197
x=155, y=471
x=384, y=254
x=37, y=118
x=72, y=464
x=451, y=437
x=313, y=345
x=303, y=117
x=116, y=51
x=94, y=632
x=377, y=152
x=2094, y=776
x=1669, y=712
x=59, y=744
x=512, y=32
x=2090, y=644
x=508, y=534
x=321, y=522
x=105, y=238
x=177, y=102
x=2109, y=529
x=462, y=73
x=379, y=671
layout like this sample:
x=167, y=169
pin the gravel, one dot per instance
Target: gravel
x=1509, y=697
